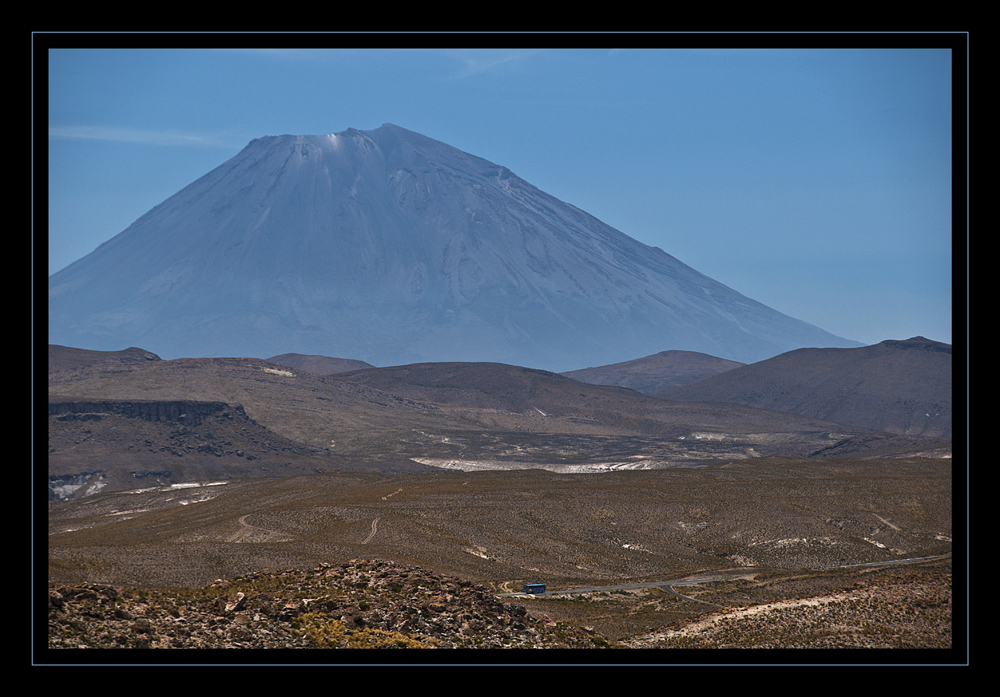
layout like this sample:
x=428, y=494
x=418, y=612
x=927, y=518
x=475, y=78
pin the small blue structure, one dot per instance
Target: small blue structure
x=533, y=588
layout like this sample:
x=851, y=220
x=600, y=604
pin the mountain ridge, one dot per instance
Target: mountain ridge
x=324, y=365
x=651, y=375
x=896, y=386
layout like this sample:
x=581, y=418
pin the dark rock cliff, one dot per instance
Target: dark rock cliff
x=189, y=413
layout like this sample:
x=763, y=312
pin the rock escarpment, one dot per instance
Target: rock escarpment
x=187, y=412
x=97, y=445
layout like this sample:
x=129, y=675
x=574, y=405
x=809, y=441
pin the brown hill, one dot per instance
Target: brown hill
x=313, y=409
x=112, y=423
x=657, y=373
x=323, y=365
x=486, y=386
x=895, y=386
x=518, y=391
x=69, y=358
x=517, y=417
x=301, y=406
x=113, y=445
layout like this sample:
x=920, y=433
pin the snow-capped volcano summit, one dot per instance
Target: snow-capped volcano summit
x=391, y=247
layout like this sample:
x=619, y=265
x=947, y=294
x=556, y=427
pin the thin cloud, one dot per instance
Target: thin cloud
x=168, y=138
x=479, y=61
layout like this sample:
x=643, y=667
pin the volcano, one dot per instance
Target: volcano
x=390, y=247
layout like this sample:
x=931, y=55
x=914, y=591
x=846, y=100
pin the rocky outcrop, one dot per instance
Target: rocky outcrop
x=358, y=604
x=67, y=486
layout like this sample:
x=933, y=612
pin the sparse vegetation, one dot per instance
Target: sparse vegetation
x=790, y=523
x=887, y=609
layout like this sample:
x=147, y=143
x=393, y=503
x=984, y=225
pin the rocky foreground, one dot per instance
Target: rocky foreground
x=359, y=604
x=383, y=604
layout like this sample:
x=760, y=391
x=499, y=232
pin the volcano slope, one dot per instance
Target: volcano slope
x=391, y=247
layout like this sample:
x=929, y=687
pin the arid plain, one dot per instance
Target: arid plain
x=209, y=469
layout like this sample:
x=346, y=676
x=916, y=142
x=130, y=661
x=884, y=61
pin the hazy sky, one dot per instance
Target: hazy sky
x=817, y=181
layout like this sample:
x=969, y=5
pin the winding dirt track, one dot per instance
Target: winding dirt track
x=251, y=533
x=723, y=575
x=372, y=533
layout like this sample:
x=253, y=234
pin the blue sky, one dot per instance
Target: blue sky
x=817, y=181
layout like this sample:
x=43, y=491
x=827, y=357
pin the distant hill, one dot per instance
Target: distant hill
x=481, y=385
x=516, y=389
x=321, y=365
x=657, y=373
x=118, y=425
x=313, y=409
x=895, y=386
x=69, y=358
x=301, y=406
x=558, y=403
